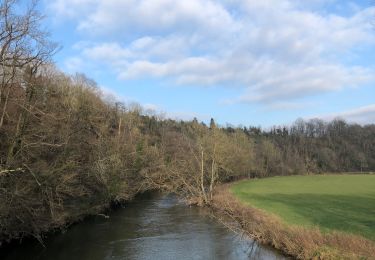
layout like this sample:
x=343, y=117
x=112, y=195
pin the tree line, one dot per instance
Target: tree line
x=66, y=152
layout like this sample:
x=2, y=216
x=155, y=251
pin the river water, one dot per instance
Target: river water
x=153, y=226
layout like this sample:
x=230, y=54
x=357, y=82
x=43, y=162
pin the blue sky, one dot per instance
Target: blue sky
x=246, y=62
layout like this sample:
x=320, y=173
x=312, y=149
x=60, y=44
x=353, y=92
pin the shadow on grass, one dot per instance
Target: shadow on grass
x=353, y=214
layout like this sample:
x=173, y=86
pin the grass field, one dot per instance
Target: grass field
x=331, y=202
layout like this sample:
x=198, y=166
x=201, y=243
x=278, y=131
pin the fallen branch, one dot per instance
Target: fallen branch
x=7, y=171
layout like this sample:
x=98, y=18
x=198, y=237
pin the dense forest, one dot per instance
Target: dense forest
x=67, y=152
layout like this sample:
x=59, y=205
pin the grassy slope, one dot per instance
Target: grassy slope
x=332, y=202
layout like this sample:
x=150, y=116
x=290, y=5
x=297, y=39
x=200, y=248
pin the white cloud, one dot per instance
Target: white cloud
x=361, y=115
x=107, y=52
x=273, y=50
x=71, y=8
x=292, y=82
x=130, y=16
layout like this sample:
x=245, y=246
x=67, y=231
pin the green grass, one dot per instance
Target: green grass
x=330, y=202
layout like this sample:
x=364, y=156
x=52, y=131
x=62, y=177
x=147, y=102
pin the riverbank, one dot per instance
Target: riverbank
x=152, y=226
x=296, y=241
x=42, y=224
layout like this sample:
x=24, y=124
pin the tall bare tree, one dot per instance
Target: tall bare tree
x=24, y=48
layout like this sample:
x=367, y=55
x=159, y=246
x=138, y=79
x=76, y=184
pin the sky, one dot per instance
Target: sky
x=242, y=62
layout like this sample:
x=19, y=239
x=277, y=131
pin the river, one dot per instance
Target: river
x=153, y=226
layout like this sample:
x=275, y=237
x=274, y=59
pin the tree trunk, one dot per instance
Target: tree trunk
x=14, y=142
x=4, y=108
x=213, y=177
x=202, y=177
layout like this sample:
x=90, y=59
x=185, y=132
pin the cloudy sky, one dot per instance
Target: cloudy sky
x=246, y=62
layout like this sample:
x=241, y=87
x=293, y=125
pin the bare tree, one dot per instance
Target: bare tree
x=24, y=47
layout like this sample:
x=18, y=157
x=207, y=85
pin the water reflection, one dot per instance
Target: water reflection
x=151, y=227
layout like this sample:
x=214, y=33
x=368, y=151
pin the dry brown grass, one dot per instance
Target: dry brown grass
x=299, y=242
